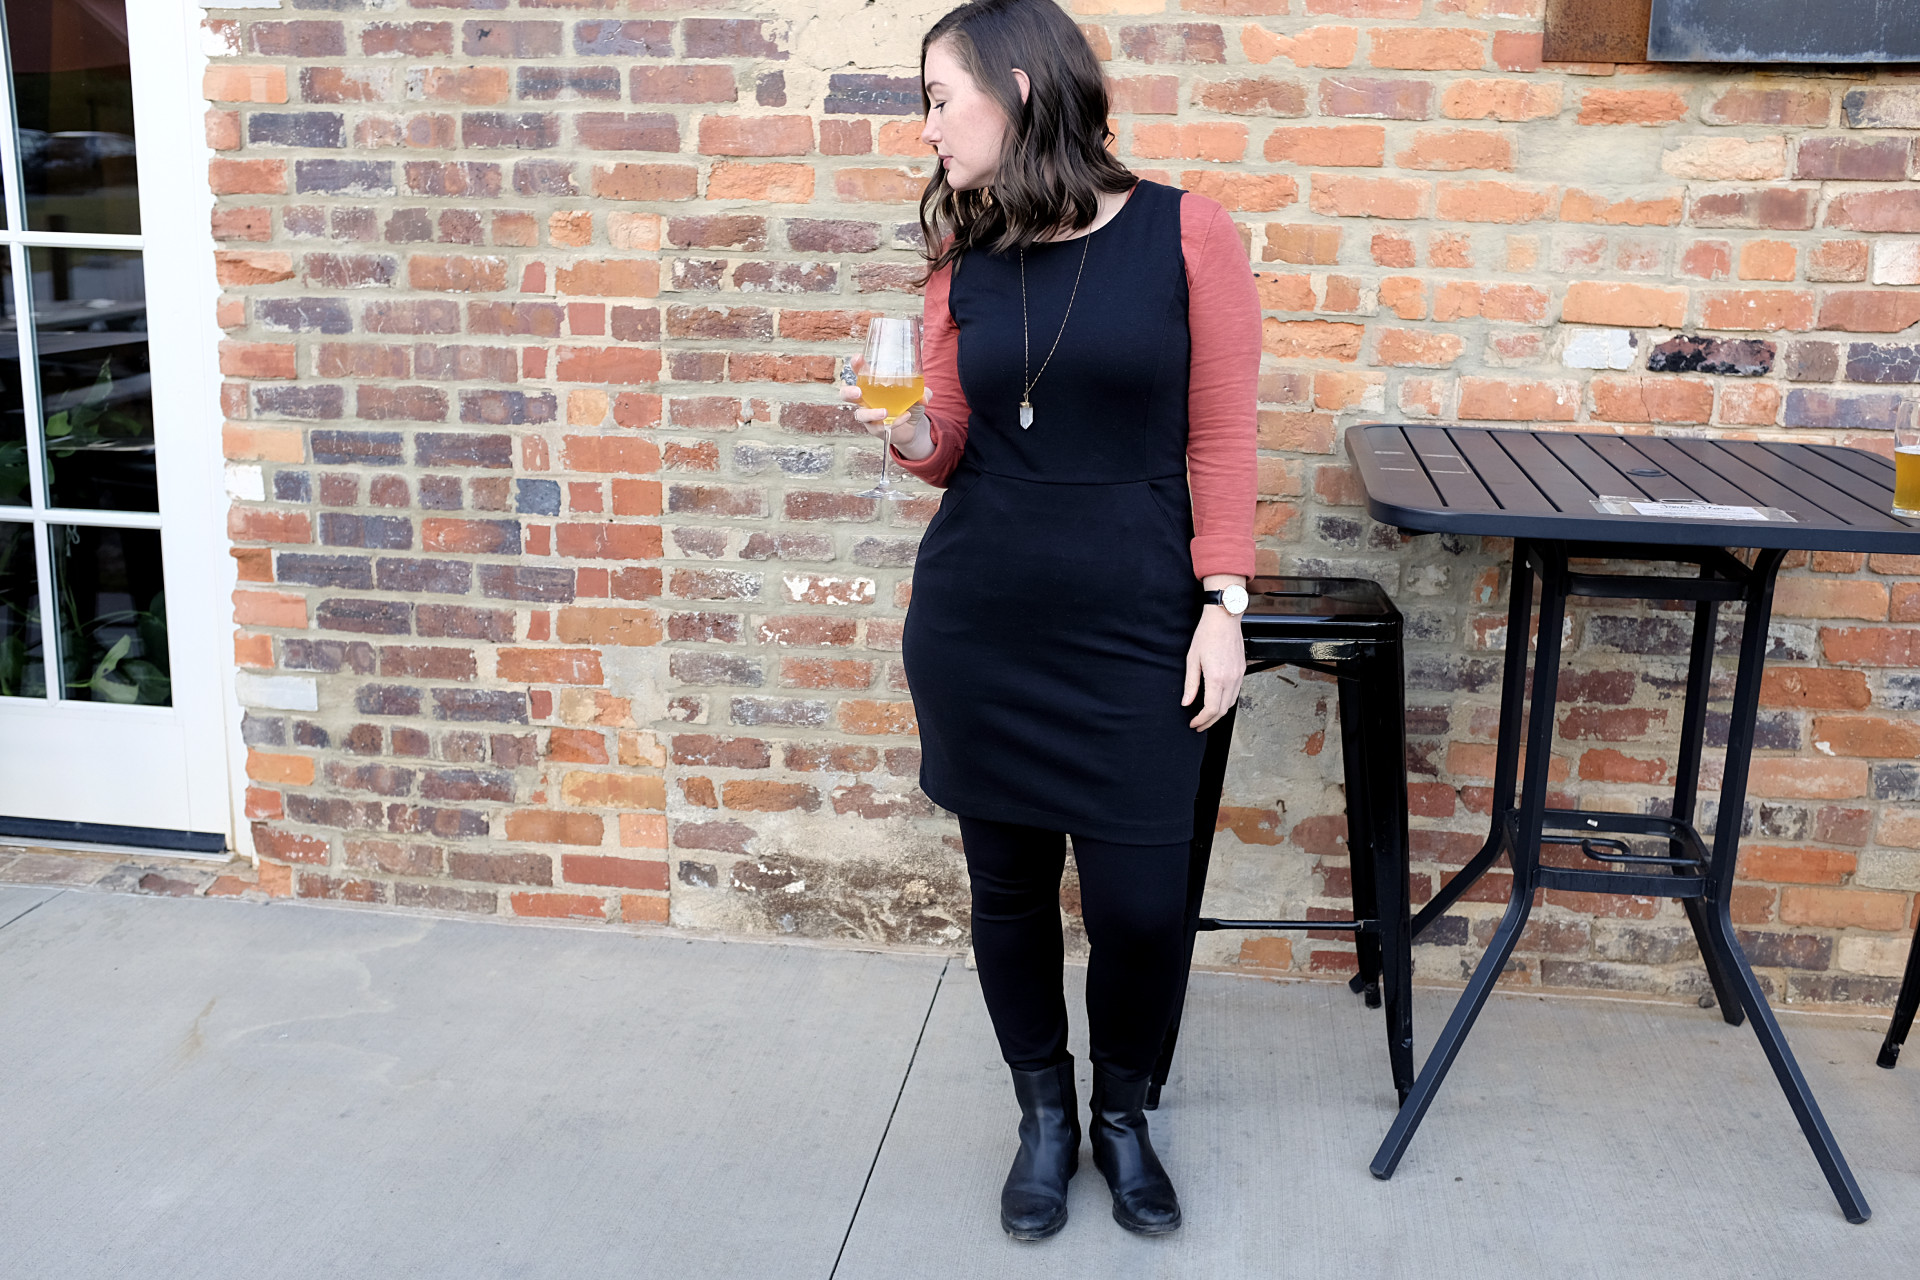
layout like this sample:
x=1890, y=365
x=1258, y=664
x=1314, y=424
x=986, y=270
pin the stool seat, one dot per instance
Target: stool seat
x=1349, y=629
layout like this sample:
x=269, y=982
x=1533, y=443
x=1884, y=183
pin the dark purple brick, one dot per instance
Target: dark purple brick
x=462, y=449
x=301, y=654
x=344, y=177
x=317, y=403
x=866, y=94
x=460, y=622
x=508, y=408
x=369, y=447
x=1870, y=412
x=299, y=39
x=296, y=129
x=440, y=577
x=536, y=497
x=466, y=785
x=379, y=533
x=454, y=178
x=1811, y=362
x=490, y=39
x=367, y=617
x=355, y=572
x=303, y=315
x=770, y=89
x=501, y=868
x=827, y=235
x=414, y=316
x=544, y=178
x=387, y=700
x=606, y=38
x=550, y=84
x=1873, y=362
x=732, y=38
x=400, y=404
x=523, y=130
x=501, y=706
x=526, y=582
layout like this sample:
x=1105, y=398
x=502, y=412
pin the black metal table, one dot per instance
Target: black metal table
x=1562, y=496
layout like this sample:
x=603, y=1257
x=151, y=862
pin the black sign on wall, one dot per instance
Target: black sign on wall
x=1784, y=31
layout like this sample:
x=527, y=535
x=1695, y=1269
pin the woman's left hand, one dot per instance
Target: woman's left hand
x=1220, y=656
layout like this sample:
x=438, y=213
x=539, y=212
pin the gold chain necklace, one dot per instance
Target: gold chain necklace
x=1026, y=392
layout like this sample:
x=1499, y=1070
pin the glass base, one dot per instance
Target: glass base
x=884, y=490
x=1907, y=512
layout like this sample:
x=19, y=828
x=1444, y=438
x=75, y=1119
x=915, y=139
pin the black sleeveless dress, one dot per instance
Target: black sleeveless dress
x=1054, y=599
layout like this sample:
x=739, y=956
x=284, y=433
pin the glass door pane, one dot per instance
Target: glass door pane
x=73, y=108
x=90, y=325
x=23, y=672
x=113, y=615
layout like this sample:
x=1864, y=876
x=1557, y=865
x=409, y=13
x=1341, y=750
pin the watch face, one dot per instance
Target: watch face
x=1234, y=599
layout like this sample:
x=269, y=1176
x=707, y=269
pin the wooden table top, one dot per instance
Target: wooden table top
x=1588, y=487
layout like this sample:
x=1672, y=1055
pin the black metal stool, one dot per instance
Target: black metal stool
x=1346, y=628
x=1905, y=1005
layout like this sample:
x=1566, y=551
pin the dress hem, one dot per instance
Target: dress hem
x=1048, y=820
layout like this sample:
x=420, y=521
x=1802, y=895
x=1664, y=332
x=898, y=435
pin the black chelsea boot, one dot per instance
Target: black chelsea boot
x=1143, y=1196
x=1033, y=1203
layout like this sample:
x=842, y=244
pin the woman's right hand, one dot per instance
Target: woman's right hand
x=912, y=435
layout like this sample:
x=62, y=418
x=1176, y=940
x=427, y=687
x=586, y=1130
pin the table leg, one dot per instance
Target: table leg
x=1506, y=758
x=1726, y=848
x=1686, y=787
x=1904, y=1007
x=1522, y=843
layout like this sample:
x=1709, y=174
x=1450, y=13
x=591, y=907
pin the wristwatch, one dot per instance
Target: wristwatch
x=1232, y=599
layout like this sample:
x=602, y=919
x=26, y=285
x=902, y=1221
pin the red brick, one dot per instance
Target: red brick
x=1740, y=104
x=1489, y=201
x=1510, y=100
x=1243, y=192
x=756, y=136
x=1201, y=140
x=1652, y=399
x=1497, y=399
x=1428, y=49
x=1869, y=310
x=1456, y=149
x=1798, y=597
x=1355, y=145
x=1261, y=96
x=1871, y=736
x=1661, y=211
x=1631, y=106
x=1895, y=211
x=1416, y=348
x=1334, y=195
x=1514, y=303
x=1845, y=909
x=1312, y=339
x=1634, y=305
x=1761, y=309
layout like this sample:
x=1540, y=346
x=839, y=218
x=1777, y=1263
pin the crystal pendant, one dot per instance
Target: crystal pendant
x=1026, y=414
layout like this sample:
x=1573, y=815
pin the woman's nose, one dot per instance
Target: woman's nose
x=929, y=134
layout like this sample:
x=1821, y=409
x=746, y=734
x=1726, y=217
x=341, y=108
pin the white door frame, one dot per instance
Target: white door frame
x=203, y=723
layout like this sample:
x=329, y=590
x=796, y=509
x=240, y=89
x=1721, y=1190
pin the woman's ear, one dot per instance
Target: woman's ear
x=1026, y=86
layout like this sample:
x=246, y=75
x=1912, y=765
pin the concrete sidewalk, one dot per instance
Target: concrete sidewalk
x=204, y=1088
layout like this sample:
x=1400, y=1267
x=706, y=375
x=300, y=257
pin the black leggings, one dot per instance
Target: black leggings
x=1133, y=899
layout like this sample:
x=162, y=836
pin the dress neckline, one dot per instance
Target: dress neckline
x=1118, y=214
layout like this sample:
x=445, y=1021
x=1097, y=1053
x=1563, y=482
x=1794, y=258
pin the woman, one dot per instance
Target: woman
x=1092, y=340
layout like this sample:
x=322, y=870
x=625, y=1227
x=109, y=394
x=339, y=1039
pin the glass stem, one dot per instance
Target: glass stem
x=886, y=452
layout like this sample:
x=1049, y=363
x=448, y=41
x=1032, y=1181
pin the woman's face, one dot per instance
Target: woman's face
x=964, y=124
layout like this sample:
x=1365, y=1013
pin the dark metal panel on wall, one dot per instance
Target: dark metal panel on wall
x=1596, y=31
x=1783, y=31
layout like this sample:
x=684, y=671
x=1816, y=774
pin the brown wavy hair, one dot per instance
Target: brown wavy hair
x=1054, y=164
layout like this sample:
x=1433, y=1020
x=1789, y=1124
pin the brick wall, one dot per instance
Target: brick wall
x=556, y=598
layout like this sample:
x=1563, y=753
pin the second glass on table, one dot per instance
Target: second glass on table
x=891, y=379
x=1906, y=460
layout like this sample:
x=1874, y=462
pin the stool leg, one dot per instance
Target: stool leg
x=1904, y=1007
x=1365, y=809
x=1206, y=810
x=1384, y=721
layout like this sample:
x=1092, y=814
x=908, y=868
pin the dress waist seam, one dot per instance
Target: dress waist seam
x=1081, y=484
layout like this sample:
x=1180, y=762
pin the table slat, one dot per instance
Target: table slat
x=1840, y=503
x=1403, y=481
x=1762, y=490
x=1508, y=483
x=1594, y=471
x=1447, y=470
x=1620, y=451
x=1866, y=490
x=1561, y=486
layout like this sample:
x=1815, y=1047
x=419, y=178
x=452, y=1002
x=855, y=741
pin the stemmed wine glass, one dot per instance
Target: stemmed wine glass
x=890, y=379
